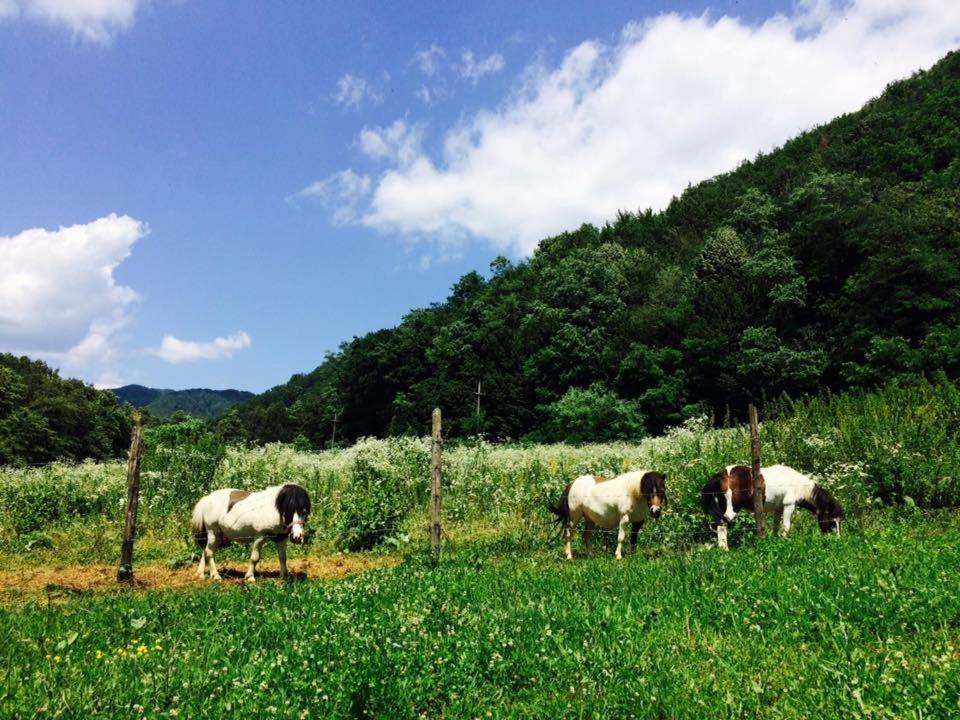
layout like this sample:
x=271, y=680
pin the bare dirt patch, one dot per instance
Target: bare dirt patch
x=62, y=582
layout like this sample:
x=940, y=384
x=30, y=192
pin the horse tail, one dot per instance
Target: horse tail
x=198, y=525
x=562, y=507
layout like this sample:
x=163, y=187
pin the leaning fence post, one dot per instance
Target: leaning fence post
x=435, y=484
x=125, y=573
x=759, y=486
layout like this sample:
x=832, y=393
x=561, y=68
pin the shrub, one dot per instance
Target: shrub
x=594, y=414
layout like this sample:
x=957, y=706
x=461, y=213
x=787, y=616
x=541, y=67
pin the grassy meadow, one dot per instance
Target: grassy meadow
x=864, y=625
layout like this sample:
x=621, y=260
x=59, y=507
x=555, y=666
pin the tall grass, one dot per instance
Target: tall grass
x=895, y=445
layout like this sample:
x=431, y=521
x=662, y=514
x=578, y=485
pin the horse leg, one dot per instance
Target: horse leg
x=572, y=521
x=254, y=558
x=208, y=554
x=202, y=567
x=621, y=535
x=634, y=532
x=282, y=554
x=587, y=533
x=778, y=520
x=787, y=515
x=721, y=536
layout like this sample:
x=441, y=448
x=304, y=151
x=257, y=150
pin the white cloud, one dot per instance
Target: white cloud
x=472, y=69
x=430, y=61
x=96, y=21
x=177, y=351
x=59, y=299
x=342, y=193
x=424, y=94
x=353, y=91
x=399, y=143
x=677, y=99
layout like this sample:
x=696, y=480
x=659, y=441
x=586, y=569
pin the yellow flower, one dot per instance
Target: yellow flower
x=56, y=658
x=99, y=654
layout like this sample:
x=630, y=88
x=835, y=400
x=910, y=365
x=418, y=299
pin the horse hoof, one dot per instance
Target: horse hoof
x=216, y=578
x=249, y=578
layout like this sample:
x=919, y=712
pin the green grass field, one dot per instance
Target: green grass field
x=865, y=625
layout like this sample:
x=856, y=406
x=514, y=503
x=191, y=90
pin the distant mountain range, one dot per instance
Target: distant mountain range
x=198, y=402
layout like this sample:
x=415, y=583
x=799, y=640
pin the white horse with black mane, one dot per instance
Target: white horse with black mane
x=230, y=515
x=608, y=503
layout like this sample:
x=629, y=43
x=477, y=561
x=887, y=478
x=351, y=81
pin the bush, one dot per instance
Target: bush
x=594, y=414
x=373, y=506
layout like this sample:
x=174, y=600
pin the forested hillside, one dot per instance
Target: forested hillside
x=44, y=417
x=198, y=402
x=833, y=261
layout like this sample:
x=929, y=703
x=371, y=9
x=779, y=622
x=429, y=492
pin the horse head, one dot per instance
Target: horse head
x=293, y=504
x=828, y=510
x=653, y=486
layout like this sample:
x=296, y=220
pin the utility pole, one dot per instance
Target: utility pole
x=479, y=395
x=333, y=440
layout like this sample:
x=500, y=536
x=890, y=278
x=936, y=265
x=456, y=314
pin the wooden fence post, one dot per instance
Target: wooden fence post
x=125, y=573
x=435, y=484
x=759, y=487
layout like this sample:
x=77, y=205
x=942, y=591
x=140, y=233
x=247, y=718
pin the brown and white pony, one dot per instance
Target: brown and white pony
x=785, y=490
x=229, y=515
x=610, y=503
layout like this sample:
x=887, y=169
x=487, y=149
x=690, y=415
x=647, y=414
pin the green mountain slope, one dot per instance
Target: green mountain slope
x=198, y=402
x=831, y=262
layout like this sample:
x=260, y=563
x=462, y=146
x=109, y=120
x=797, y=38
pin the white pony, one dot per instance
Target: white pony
x=628, y=498
x=785, y=489
x=230, y=515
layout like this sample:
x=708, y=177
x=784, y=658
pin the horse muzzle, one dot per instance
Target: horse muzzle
x=655, y=511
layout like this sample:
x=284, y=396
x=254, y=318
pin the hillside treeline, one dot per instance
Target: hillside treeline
x=831, y=262
x=44, y=417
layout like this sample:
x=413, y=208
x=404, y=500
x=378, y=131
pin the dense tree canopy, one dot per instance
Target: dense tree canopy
x=832, y=261
x=44, y=417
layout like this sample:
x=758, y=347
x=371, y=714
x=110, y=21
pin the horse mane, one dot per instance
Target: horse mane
x=292, y=499
x=710, y=495
x=654, y=483
x=826, y=503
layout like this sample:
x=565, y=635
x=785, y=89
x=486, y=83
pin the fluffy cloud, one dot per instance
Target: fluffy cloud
x=677, y=99
x=177, y=351
x=58, y=297
x=472, y=69
x=353, y=91
x=55, y=285
x=96, y=21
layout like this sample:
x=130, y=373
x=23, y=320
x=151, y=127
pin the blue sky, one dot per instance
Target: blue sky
x=249, y=184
